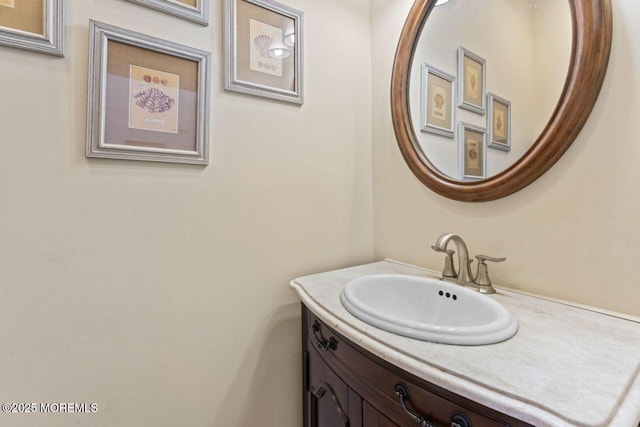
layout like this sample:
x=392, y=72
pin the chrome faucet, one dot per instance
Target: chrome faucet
x=481, y=282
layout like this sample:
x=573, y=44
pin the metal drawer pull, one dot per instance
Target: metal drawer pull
x=323, y=344
x=403, y=395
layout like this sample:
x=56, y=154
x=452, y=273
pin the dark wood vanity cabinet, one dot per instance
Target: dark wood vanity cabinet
x=344, y=385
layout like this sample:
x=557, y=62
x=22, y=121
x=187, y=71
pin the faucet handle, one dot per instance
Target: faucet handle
x=449, y=269
x=449, y=252
x=482, y=258
x=482, y=277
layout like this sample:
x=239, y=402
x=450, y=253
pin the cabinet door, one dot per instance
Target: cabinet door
x=372, y=418
x=330, y=402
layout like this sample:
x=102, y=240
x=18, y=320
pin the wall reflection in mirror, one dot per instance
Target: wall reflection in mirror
x=495, y=67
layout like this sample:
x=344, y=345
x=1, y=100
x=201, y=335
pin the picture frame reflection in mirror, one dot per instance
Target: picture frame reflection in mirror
x=498, y=122
x=437, y=102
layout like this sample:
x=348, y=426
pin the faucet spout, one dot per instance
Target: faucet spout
x=464, y=271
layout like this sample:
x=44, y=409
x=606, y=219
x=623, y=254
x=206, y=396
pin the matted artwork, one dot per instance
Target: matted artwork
x=259, y=59
x=437, y=102
x=153, y=99
x=499, y=122
x=264, y=45
x=473, y=152
x=36, y=25
x=471, y=81
x=148, y=98
x=193, y=10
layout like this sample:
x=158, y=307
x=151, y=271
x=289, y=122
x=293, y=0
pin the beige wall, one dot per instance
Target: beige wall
x=552, y=51
x=572, y=234
x=160, y=291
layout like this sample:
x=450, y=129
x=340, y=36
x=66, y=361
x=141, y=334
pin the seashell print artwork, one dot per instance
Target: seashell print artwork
x=472, y=82
x=262, y=43
x=262, y=37
x=438, y=104
x=439, y=100
x=472, y=152
x=154, y=100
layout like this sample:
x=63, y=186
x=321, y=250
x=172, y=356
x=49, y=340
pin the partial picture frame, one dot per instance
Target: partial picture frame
x=35, y=25
x=437, y=100
x=193, y=10
x=148, y=98
x=471, y=81
x=472, y=150
x=264, y=43
x=498, y=122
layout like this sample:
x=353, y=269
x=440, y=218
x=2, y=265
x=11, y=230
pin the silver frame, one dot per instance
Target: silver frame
x=461, y=157
x=199, y=14
x=52, y=42
x=424, y=125
x=99, y=36
x=462, y=52
x=498, y=145
x=232, y=83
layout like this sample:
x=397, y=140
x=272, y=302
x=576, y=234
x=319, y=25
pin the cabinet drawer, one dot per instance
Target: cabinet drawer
x=376, y=381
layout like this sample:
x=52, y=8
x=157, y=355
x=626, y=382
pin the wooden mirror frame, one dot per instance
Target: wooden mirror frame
x=592, y=33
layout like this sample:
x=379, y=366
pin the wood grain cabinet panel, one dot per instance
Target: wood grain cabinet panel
x=372, y=418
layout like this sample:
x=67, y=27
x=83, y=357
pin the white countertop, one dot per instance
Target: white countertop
x=566, y=366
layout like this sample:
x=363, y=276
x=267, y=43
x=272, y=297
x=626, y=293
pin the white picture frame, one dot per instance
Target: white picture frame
x=198, y=14
x=472, y=150
x=43, y=33
x=471, y=81
x=148, y=98
x=437, y=102
x=498, y=122
x=254, y=30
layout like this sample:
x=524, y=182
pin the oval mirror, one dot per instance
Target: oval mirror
x=487, y=96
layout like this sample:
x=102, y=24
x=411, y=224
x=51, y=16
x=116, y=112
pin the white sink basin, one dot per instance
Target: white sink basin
x=428, y=309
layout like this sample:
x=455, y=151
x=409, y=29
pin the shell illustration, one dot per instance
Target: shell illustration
x=154, y=100
x=473, y=82
x=439, y=100
x=473, y=153
x=262, y=43
x=499, y=124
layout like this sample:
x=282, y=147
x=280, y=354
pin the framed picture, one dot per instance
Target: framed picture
x=437, y=102
x=36, y=25
x=471, y=81
x=499, y=122
x=193, y=10
x=264, y=43
x=473, y=151
x=148, y=98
